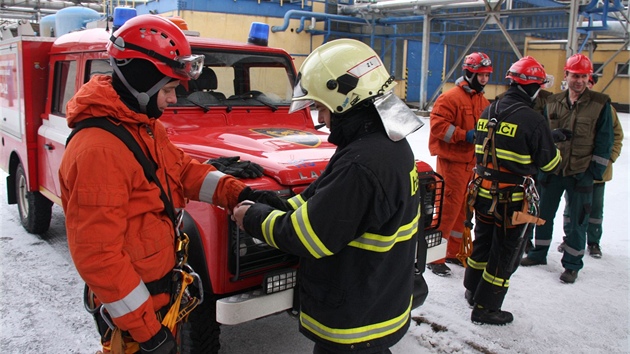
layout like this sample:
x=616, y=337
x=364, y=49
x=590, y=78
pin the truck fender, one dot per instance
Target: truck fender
x=196, y=256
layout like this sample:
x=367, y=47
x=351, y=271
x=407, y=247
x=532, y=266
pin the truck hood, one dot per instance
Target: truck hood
x=291, y=156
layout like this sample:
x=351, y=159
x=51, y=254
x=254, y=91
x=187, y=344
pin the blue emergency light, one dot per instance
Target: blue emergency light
x=122, y=15
x=258, y=34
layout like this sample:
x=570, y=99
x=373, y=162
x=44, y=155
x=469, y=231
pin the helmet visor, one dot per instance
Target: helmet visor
x=299, y=93
x=190, y=66
x=300, y=104
x=549, y=81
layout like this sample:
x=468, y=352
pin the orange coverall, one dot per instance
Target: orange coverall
x=454, y=113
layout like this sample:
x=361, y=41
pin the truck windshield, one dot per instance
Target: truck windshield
x=239, y=79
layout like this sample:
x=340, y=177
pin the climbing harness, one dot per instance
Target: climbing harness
x=518, y=187
x=182, y=283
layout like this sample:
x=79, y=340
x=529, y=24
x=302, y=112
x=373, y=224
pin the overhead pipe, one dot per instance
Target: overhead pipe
x=299, y=14
x=396, y=5
x=54, y=5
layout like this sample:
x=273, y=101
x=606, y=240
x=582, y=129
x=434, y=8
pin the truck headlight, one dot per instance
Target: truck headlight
x=279, y=280
x=434, y=238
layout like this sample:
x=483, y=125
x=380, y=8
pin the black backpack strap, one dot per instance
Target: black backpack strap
x=123, y=134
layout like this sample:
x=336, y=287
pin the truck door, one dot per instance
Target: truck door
x=70, y=72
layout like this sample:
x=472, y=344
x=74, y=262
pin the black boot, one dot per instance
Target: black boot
x=481, y=315
x=469, y=297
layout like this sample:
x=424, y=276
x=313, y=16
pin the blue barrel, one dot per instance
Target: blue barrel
x=73, y=19
x=47, y=26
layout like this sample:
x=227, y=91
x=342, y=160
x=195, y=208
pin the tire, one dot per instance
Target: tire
x=200, y=334
x=35, y=210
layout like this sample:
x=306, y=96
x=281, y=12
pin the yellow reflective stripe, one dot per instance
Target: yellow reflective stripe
x=507, y=155
x=296, y=201
x=306, y=234
x=494, y=280
x=512, y=156
x=484, y=193
x=381, y=243
x=553, y=163
x=476, y=265
x=138, y=296
x=355, y=335
x=267, y=227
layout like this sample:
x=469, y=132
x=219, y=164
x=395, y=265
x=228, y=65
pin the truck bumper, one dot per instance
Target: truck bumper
x=437, y=252
x=252, y=305
x=255, y=304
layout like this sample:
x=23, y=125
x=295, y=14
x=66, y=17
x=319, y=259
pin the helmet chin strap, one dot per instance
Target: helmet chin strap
x=533, y=96
x=142, y=97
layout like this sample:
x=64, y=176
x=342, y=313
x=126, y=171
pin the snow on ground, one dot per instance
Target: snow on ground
x=41, y=309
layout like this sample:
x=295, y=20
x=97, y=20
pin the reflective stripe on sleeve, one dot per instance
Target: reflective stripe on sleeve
x=449, y=134
x=209, y=186
x=600, y=160
x=306, y=234
x=129, y=303
x=381, y=243
x=553, y=163
x=355, y=335
x=296, y=201
x=267, y=227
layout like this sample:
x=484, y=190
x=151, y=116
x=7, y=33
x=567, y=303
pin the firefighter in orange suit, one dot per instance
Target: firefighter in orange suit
x=453, y=121
x=119, y=234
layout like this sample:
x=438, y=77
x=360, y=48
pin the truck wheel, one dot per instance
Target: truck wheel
x=35, y=209
x=200, y=334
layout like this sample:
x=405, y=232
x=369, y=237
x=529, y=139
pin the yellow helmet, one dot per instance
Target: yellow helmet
x=340, y=74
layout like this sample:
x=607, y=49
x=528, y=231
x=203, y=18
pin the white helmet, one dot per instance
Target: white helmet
x=340, y=74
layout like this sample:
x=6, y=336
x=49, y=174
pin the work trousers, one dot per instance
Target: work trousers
x=596, y=218
x=456, y=177
x=579, y=189
x=497, y=251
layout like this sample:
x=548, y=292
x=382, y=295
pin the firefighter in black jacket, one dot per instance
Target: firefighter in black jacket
x=354, y=228
x=513, y=142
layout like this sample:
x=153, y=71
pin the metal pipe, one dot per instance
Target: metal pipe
x=319, y=16
x=397, y=5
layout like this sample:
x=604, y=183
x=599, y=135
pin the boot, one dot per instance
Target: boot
x=526, y=262
x=440, y=269
x=454, y=261
x=481, y=315
x=594, y=250
x=569, y=276
x=469, y=297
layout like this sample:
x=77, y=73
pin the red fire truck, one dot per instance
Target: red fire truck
x=238, y=107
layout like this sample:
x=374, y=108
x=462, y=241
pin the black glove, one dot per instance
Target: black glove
x=561, y=134
x=232, y=166
x=161, y=343
x=270, y=198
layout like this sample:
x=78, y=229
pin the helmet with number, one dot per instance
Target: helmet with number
x=159, y=41
x=527, y=70
x=477, y=63
x=579, y=64
x=340, y=74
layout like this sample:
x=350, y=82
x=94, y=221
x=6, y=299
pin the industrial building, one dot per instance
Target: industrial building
x=423, y=42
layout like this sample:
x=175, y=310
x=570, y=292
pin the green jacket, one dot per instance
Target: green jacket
x=616, y=149
x=591, y=122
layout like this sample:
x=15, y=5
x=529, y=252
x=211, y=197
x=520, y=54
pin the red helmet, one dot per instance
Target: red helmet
x=579, y=64
x=159, y=41
x=527, y=70
x=477, y=63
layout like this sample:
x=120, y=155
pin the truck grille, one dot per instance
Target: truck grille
x=249, y=256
